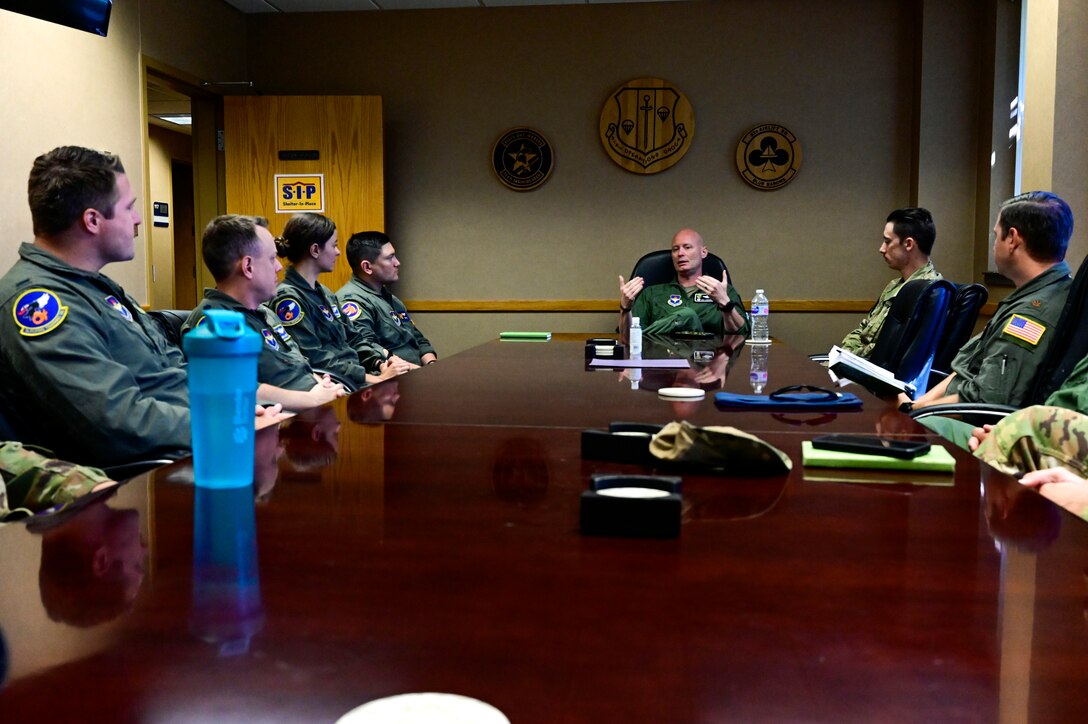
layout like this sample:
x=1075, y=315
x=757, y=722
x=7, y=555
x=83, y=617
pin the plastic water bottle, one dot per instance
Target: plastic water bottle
x=222, y=396
x=758, y=375
x=761, y=314
x=634, y=338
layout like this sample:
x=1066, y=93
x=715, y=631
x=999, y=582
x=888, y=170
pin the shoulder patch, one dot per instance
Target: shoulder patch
x=270, y=338
x=351, y=310
x=278, y=329
x=121, y=309
x=289, y=311
x=1022, y=328
x=38, y=312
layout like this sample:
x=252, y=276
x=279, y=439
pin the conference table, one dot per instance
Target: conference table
x=423, y=535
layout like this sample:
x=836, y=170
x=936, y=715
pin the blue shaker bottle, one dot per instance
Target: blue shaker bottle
x=222, y=354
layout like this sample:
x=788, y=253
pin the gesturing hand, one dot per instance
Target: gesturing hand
x=716, y=289
x=629, y=291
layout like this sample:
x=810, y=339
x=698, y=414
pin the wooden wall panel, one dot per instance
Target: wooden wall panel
x=347, y=133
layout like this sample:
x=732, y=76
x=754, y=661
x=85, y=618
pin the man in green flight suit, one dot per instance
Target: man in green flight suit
x=691, y=302
x=86, y=373
x=908, y=242
x=241, y=254
x=999, y=365
x=377, y=313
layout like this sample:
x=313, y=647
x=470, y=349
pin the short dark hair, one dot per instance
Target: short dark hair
x=1043, y=219
x=66, y=182
x=226, y=240
x=365, y=246
x=302, y=231
x=917, y=223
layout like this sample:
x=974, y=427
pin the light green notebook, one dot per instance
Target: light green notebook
x=525, y=336
x=937, y=460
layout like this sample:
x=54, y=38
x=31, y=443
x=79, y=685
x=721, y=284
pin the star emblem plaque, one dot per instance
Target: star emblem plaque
x=522, y=159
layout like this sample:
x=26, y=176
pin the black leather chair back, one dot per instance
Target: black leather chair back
x=908, y=340
x=656, y=267
x=1071, y=345
x=7, y=426
x=962, y=315
x=170, y=322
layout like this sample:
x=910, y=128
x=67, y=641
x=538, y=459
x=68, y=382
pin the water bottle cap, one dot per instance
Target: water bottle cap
x=759, y=291
x=636, y=322
x=222, y=333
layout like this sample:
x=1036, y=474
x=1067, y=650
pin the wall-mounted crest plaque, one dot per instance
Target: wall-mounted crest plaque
x=647, y=125
x=522, y=159
x=768, y=156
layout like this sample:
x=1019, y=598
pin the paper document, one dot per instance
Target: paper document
x=844, y=367
x=648, y=364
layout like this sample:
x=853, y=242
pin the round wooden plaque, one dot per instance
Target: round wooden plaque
x=768, y=156
x=647, y=125
x=522, y=159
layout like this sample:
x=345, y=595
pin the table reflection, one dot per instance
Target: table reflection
x=92, y=562
x=227, y=610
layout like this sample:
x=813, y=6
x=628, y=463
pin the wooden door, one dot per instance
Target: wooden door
x=346, y=133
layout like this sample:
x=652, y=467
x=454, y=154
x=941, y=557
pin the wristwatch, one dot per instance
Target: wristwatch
x=727, y=308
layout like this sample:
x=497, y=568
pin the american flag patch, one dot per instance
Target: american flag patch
x=1025, y=329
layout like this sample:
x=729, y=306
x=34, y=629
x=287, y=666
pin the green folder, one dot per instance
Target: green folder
x=937, y=460
x=525, y=336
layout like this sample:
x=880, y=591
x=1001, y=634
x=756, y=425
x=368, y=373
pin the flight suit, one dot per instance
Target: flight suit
x=383, y=318
x=86, y=372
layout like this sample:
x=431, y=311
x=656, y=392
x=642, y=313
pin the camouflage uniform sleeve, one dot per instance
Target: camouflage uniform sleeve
x=35, y=482
x=862, y=339
x=1037, y=438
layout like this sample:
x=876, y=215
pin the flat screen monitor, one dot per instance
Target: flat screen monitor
x=92, y=16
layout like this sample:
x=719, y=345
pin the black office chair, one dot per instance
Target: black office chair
x=170, y=322
x=7, y=425
x=962, y=315
x=1070, y=346
x=908, y=340
x=656, y=267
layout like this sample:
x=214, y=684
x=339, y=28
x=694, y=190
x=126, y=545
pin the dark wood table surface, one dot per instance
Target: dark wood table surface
x=440, y=551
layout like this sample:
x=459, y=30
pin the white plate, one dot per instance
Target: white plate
x=425, y=708
x=681, y=393
x=632, y=492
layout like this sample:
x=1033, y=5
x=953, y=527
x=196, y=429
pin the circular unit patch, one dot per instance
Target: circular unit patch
x=289, y=311
x=647, y=125
x=351, y=310
x=768, y=157
x=37, y=312
x=522, y=159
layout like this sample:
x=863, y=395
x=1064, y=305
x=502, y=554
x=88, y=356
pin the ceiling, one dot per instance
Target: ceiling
x=317, y=6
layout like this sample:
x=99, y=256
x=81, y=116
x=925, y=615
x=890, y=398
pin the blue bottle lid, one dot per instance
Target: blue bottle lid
x=222, y=333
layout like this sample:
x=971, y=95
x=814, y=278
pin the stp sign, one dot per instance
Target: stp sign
x=300, y=193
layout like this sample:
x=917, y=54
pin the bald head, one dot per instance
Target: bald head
x=688, y=252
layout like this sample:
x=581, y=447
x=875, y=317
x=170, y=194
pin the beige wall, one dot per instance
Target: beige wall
x=62, y=86
x=1070, y=110
x=453, y=80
